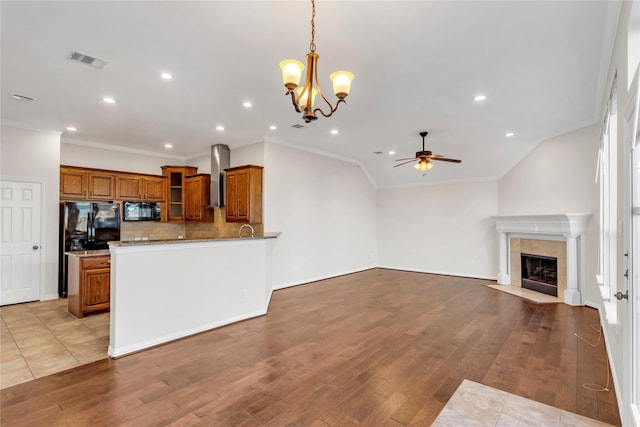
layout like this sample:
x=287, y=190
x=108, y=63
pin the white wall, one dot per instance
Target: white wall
x=443, y=229
x=72, y=154
x=326, y=211
x=35, y=156
x=558, y=176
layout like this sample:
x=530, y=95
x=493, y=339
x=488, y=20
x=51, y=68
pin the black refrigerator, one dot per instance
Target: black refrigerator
x=85, y=226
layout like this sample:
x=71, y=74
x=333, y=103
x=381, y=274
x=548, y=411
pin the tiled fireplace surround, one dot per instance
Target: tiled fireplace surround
x=560, y=236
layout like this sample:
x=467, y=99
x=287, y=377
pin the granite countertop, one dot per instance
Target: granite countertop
x=264, y=236
x=88, y=253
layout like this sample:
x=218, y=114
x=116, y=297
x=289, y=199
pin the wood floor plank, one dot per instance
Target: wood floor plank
x=378, y=348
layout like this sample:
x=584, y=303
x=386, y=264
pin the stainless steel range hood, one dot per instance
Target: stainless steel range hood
x=220, y=160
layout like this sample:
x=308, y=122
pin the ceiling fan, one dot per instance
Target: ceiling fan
x=424, y=158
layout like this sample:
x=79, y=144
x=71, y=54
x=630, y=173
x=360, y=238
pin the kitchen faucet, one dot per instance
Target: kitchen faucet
x=243, y=226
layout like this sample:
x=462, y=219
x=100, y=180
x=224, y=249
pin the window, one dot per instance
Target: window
x=607, y=176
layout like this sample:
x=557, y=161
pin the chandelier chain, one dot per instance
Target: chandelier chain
x=312, y=46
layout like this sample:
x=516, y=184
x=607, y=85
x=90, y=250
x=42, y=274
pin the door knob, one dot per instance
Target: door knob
x=620, y=296
x=35, y=247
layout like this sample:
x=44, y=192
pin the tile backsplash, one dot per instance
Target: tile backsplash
x=154, y=230
x=218, y=228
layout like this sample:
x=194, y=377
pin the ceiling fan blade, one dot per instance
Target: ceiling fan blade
x=400, y=160
x=400, y=164
x=444, y=159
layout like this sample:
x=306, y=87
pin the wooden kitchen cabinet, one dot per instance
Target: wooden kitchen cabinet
x=73, y=183
x=146, y=188
x=176, y=176
x=244, y=194
x=196, y=190
x=89, y=284
x=78, y=183
x=128, y=187
x=100, y=186
x=154, y=189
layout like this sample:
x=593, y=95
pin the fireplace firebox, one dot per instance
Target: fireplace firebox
x=540, y=273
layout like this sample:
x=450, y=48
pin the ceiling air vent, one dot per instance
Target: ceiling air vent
x=88, y=60
x=21, y=98
x=297, y=126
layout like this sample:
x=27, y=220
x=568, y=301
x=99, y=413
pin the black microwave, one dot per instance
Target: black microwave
x=141, y=211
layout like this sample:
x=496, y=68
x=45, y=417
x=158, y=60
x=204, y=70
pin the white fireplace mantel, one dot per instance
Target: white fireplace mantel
x=570, y=227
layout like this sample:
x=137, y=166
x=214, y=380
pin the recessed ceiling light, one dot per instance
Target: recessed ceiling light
x=247, y=104
x=109, y=100
x=72, y=128
x=391, y=152
x=167, y=145
x=334, y=131
x=480, y=97
x=166, y=76
x=273, y=127
x=509, y=134
x=219, y=127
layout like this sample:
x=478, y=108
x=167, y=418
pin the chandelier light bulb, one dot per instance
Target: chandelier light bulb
x=341, y=83
x=291, y=73
x=303, y=94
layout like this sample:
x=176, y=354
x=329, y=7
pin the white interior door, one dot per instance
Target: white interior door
x=20, y=212
x=634, y=290
x=631, y=401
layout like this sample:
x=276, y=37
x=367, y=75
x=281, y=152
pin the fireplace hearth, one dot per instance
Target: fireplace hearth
x=539, y=273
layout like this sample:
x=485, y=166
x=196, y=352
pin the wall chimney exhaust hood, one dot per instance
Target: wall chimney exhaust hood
x=220, y=160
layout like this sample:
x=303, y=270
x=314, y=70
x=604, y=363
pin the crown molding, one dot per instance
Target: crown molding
x=435, y=183
x=26, y=126
x=102, y=146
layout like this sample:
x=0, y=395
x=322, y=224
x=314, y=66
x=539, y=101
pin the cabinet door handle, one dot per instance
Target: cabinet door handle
x=36, y=247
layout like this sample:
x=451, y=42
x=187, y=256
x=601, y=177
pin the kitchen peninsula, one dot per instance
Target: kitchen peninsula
x=168, y=289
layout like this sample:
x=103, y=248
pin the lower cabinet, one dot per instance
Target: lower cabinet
x=89, y=282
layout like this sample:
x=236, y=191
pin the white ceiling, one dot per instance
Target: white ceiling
x=417, y=66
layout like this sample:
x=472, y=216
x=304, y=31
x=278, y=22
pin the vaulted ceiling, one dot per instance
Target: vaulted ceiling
x=418, y=64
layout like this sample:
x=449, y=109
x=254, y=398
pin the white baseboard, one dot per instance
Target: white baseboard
x=48, y=297
x=616, y=385
x=388, y=267
x=592, y=305
x=122, y=351
x=443, y=273
x=317, y=278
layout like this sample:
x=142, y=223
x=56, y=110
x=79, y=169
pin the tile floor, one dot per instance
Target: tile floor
x=534, y=296
x=476, y=404
x=41, y=338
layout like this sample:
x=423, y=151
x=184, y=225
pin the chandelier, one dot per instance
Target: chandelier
x=304, y=97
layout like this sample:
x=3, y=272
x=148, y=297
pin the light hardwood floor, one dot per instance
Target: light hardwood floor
x=376, y=348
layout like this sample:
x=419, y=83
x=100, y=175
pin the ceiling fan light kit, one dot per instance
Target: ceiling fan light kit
x=292, y=73
x=424, y=158
x=423, y=165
